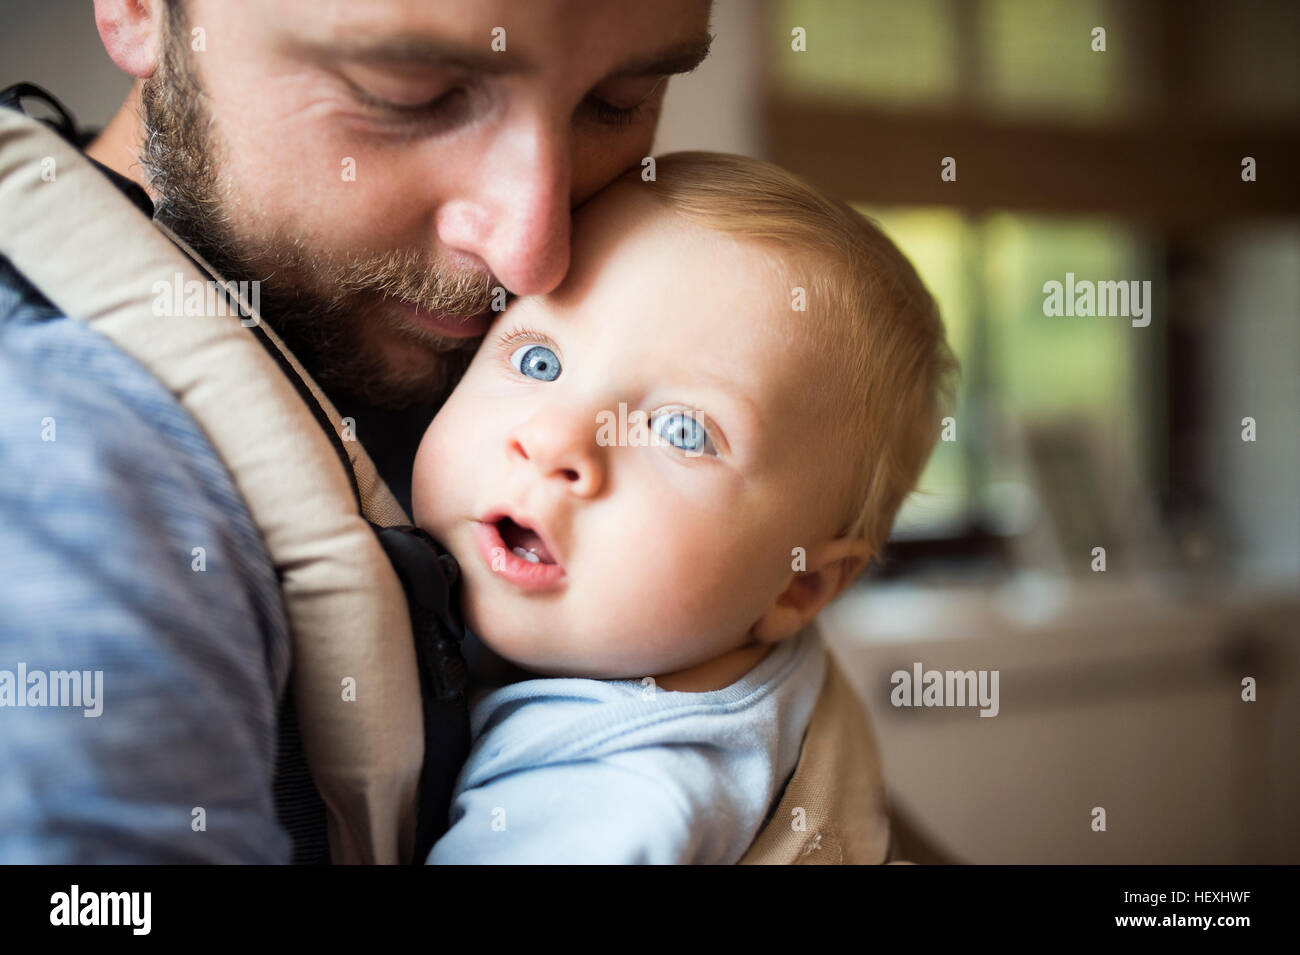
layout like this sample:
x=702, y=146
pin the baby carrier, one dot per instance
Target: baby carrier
x=364, y=597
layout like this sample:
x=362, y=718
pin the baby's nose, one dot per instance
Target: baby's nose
x=562, y=448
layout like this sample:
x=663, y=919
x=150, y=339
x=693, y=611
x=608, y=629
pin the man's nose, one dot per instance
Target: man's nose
x=515, y=216
x=561, y=445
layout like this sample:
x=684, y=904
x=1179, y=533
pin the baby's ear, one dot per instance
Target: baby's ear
x=829, y=568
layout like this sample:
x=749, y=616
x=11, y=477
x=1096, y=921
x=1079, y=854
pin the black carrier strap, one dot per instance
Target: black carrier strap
x=429, y=575
x=298, y=804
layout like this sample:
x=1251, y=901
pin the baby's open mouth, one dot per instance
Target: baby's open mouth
x=523, y=542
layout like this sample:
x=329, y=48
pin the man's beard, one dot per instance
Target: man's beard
x=320, y=304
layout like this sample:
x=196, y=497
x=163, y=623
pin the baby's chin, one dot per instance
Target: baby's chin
x=525, y=644
x=494, y=630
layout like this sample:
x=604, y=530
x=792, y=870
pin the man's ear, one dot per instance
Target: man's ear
x=132, y=33
x=829, y=569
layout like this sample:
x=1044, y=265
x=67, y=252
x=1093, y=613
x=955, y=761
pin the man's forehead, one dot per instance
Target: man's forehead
x=604, y=37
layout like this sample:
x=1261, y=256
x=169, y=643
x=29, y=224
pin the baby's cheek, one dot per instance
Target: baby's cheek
x=433, y=478
x=705, y=571
x=422, y=479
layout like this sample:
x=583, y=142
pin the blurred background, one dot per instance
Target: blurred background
x=1121, y=688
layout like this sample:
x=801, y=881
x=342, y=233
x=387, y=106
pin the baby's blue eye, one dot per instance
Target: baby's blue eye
x=536, y=361
x=684, y=431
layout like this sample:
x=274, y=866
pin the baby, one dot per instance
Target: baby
x=653, y=479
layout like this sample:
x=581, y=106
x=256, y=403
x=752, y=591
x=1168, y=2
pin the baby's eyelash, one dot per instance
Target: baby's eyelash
x=512, y=339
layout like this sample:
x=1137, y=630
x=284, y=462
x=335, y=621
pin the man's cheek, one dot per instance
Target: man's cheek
x=332, y=193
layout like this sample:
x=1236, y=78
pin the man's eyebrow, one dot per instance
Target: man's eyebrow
x=681, y=58
x=415, y=51
x=429, y=51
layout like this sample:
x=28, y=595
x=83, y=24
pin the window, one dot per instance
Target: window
x=1120, y=166
x=1025, y=375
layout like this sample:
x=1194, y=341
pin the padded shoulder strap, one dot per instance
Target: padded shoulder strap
x=839, y=786
x=92, y=254
x=376, y=501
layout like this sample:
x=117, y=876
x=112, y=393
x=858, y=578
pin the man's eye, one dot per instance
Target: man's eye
x=536, y=361
x=622, y=103
x=684, y=430
x=609, y=115
x=443, y=106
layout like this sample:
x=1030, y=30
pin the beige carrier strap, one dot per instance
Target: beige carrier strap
x=91, y=253
x=838, y=785
x=377, y=501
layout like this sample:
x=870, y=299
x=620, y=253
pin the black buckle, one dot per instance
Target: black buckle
x=12, y=98
x=429, y=575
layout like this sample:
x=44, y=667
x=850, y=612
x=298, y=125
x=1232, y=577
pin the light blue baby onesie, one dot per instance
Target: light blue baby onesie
x=610, y=771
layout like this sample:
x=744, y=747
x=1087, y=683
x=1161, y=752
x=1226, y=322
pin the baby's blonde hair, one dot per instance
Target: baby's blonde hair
x=868, y=313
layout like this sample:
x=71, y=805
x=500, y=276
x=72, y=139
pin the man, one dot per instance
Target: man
x=381, y=167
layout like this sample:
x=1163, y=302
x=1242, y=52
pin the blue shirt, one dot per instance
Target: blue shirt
x=107, y=490
x=611, y=771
